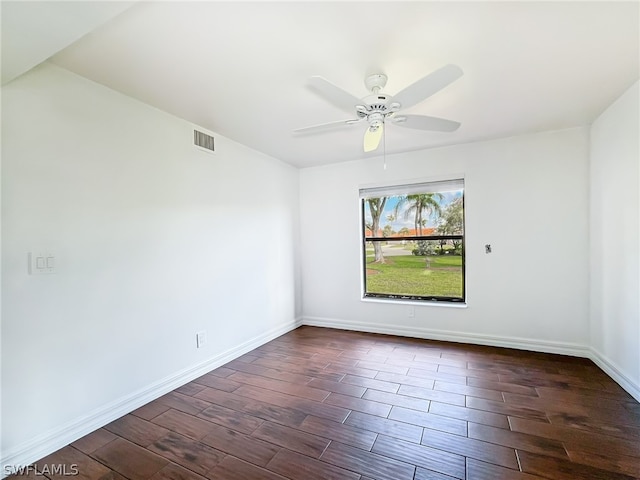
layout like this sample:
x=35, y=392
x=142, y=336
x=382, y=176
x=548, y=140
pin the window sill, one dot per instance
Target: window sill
x=422, y=303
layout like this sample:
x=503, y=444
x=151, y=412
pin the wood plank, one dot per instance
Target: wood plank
x=392, y=428
x=430, y=394
x=467, y=390
x=502, y=386
x=407, y=380
x=129, y=459
x=359, y=404
x=478, y=470
x=93, y=441
x=187, y=452
x=371, y=383
x=453, y=378
x=578, y=439
x=347, y=434
x=222, y=371
x=300, y=467
x=184, y=403
x=337, y=387
x=517, y=440
x=312, y=370
x=344, y=370
x=174, y=472
x=292, y=439
x=604, y=460
x=279, y=386
x=423, y=419
x=150, y=410
x=68, y=462
x=187, y=425
x=589, y=424
x=506, y=409
x=469, y=373
x=426, y=474
x=241, y=445
x=219, y=383
x=564, y=469
x=276, y=374
x=249, y=406
x=189, y=389
x=232, y=468
x=233, y=419
x=309, y=407
x=469, y=414
x=382, y=367
x=402, y=398
x=410, y=363
x=136, y=430
x=420, y=455
x=376, y=466
x=469, y=447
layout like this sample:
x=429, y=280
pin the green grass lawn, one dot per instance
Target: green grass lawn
x=409, y=275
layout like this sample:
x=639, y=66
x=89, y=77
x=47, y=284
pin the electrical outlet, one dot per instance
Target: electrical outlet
x=201, y=339
x=411, y=312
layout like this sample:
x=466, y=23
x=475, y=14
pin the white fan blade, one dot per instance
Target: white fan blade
x=427, y=86
x=424, y=122
x=339, y=97
x=327, y=126
x=372, y=138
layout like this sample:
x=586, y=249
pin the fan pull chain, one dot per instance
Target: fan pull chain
x=384, y=146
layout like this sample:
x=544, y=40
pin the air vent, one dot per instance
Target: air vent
x=203, y=140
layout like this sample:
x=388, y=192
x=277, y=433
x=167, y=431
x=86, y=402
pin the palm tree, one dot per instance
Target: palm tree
x=418, y=205
x=376, y=207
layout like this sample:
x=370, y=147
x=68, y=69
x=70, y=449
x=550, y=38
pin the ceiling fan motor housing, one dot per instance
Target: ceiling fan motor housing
x=377, y=101
x=377, y=107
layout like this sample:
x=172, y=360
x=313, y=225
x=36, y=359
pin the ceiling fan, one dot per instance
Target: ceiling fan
x=379, y=108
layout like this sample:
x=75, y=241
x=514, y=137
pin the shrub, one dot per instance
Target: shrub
x=424, y=247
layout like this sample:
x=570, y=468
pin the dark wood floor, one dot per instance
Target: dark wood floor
x=328, y=404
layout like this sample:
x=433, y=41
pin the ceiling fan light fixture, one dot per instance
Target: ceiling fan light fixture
x=372, y=137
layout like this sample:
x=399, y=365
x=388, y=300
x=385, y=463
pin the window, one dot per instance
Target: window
x=413, y=241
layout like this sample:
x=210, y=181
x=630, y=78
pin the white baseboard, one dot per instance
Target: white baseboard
x=615, y=372
x=48, y=442
x=546, y=346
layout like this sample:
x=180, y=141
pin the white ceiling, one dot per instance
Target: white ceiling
x=241, y=69
x=32, y=31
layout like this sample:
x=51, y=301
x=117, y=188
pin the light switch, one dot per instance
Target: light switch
x=41, y=262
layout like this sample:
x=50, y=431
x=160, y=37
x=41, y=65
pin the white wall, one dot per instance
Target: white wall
x=525, y=195
x=155, y=240
x=615, y=243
